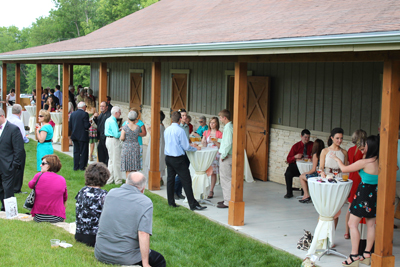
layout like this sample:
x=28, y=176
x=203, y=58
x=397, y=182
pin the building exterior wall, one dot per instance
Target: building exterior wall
x=317, y=96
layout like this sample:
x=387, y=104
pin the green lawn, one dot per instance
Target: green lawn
x=182, y=236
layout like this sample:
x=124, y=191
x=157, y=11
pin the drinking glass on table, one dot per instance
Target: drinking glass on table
x=335, y=172
x=305, y=158
x=319, y=172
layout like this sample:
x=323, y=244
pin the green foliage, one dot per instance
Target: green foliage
x=182, y=236
x=69, y=19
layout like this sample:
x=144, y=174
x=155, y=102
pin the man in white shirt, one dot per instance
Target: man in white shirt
x=15, y=118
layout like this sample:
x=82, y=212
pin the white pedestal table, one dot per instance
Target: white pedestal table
x=328, y=199
x=32, y=118
x=57, y=119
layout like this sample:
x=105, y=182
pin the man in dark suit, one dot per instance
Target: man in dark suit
x=12, y=149
x=100, y=120
x=79, y=125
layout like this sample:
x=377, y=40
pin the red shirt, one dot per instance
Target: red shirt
x=190, y=128
x=298, y=148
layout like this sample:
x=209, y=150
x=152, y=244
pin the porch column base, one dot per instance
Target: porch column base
x=236, y=213
x=154, y=180
x=382, y=261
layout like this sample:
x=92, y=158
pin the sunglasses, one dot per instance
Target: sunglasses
x=44, y=163
x=201, y=121
x=41, y=116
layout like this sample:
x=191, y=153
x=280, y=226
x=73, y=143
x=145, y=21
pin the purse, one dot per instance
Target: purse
x=305, y=242
x=30, y=199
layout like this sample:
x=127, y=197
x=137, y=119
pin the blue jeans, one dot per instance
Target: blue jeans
x=178, y=186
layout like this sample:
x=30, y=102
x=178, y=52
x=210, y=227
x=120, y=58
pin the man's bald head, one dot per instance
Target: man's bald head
x=137, y=180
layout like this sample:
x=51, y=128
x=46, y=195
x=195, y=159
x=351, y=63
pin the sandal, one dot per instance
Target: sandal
x=210, y=195
x=346, y=236
x=366, y=261
x=353, y=262
x=306, y=200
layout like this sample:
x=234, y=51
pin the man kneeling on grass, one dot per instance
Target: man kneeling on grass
x=126, y=225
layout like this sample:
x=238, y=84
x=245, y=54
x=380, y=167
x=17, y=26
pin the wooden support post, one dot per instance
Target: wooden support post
x=65, y=85
x=71, y=74
x=236, y=204
x=154, y=173
x=38, y=91
x=387, y=165
x=4, y=87
x=103, y=82
x=17, y=83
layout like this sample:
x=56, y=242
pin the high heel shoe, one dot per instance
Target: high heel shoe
x=210, y=195
x=353, y=263
x=306, y=200
x=366, y=261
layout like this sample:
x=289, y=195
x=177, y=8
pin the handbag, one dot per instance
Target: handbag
x=30, y=199
x=305, y=242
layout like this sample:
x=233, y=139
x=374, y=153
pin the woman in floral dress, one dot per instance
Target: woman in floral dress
x=130, y=154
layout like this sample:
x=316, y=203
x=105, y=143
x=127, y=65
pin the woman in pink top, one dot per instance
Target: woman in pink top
x=51, y=192
x=209, y=137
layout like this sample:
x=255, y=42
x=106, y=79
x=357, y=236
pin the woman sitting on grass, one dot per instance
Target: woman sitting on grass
x=315, y=154
x=50, y=192
x=89, y=203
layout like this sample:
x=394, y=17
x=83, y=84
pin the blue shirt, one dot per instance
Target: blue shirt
x=111, y=127
x=201, y=130
x=140, y=124
x=58, y=94
x=176, y=142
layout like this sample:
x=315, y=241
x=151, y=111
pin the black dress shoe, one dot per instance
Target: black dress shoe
x=173, y=205
x=221, y=202
x=198, y=207
x=181, y=196
x=288, y=196
x=306, y=200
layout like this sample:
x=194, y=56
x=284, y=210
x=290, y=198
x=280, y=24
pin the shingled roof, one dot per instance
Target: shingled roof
x=176, y=25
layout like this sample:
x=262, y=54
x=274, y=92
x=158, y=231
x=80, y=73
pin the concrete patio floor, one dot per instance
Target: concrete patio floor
x=276, y=221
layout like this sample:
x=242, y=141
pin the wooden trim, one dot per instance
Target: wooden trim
x=154, y=173
x=17, y=83
x=103, y=82
x=181, y=71
x=226, y=82
x=71, y=74
x=4, y=87
x=253, y=57
x=38, y=91
x=236, y=204
x=387, y=165
x=65, y=96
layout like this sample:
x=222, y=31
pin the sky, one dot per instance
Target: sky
x=22, y=13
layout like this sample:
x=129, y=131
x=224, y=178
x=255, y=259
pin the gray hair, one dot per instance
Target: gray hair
x=71, y=87
x=81, y=104
x=203, y=118
x=137, y=180
x=16, y=109
x=90, y=91
x=132, y=115
x=115, y=110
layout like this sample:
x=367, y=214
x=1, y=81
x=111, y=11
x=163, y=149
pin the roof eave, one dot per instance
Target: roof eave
x=328, y=43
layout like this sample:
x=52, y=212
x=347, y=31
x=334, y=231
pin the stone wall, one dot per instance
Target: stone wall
x=281, y=141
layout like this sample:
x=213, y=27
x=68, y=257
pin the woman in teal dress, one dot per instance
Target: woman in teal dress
x=44, y=134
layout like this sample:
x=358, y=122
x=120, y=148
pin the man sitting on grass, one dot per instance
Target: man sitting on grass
x=126, y=225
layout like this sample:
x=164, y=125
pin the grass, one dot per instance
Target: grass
x=182, y=236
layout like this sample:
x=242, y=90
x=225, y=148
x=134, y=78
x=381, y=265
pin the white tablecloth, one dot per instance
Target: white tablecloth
x=200, y=161
x=304, y=166
x=328, y=199
x=32, y=118
x=57, y=119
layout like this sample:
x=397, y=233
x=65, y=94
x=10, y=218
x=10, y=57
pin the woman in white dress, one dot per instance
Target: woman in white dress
x=146, y=167
x=328, y=165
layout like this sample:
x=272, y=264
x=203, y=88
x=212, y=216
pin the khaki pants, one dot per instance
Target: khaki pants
x=114, y=160
x=225, y=173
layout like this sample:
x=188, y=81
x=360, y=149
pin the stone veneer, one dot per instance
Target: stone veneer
x=281, y=141
x=281, y=138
